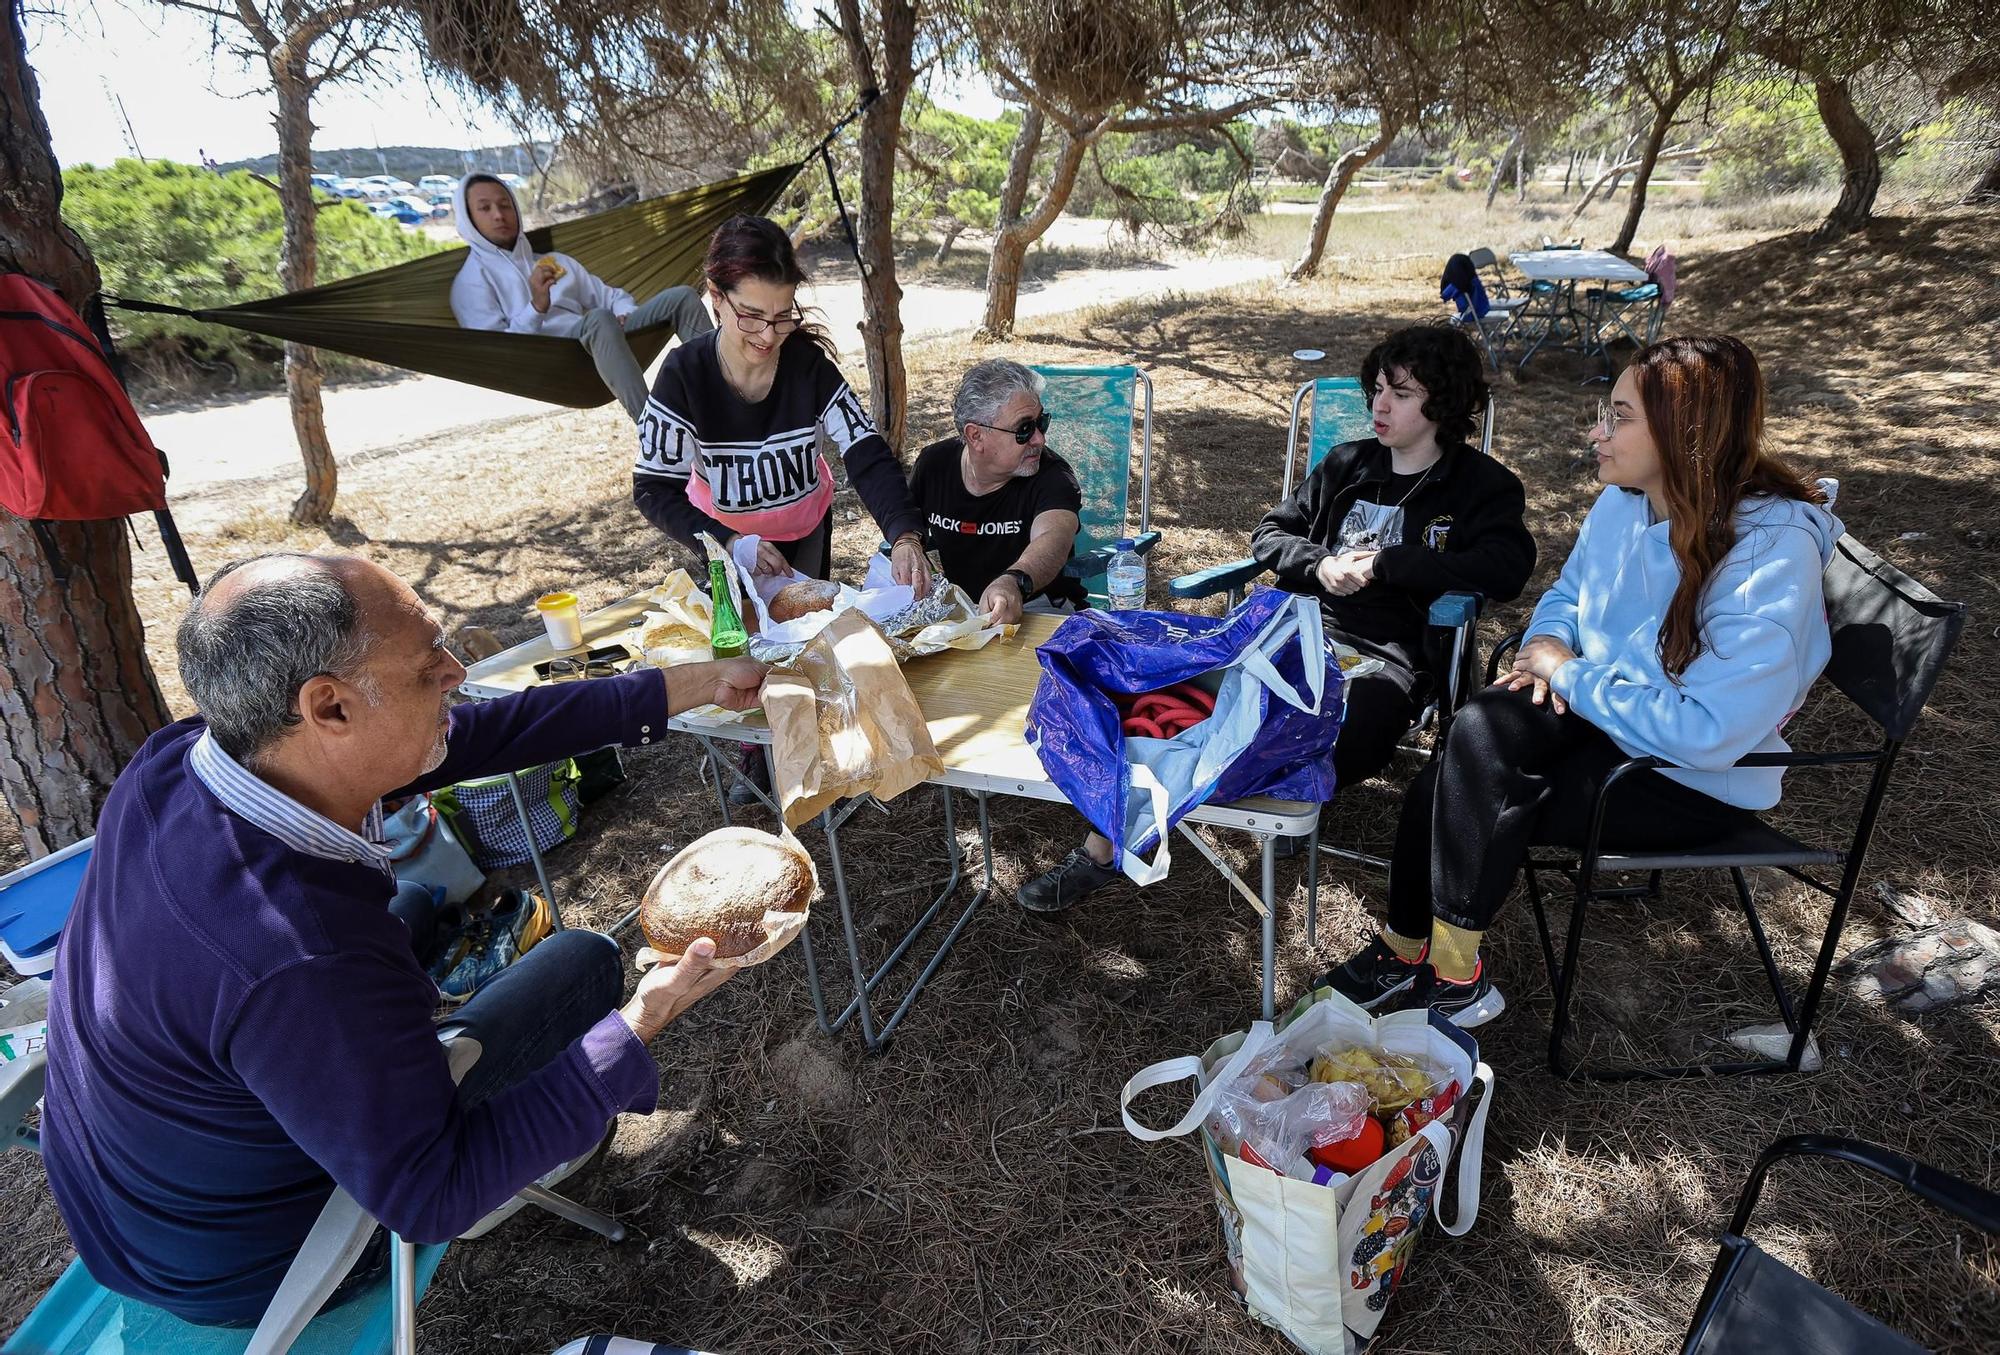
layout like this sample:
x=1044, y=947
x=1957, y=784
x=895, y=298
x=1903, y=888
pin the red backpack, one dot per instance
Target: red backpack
x=72, y=448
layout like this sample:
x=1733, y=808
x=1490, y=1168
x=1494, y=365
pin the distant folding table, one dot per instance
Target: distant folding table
x=1562, y=323
x=976, y=705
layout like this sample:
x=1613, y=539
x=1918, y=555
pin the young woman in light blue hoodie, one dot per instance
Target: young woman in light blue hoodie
x=1687, y=624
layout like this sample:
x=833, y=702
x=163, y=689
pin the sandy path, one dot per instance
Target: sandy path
x=252, y=438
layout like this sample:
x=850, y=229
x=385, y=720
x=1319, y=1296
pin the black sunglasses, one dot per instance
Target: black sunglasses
x=1026, y=429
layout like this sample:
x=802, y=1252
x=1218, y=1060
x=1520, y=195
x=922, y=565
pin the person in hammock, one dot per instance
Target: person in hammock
x=729, y=443
x=504, y=286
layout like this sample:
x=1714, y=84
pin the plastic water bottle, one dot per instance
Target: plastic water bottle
x=1126, y=579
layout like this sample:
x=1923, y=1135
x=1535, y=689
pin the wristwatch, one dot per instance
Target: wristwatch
x=1023, y=580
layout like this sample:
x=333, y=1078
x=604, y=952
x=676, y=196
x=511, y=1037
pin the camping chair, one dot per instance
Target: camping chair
x=78, y=1316
x=1093, y=414
x=1754, y=1302
x=1637, y=312
x=1334, y=411
x=1891, y=637
x=1499, y=292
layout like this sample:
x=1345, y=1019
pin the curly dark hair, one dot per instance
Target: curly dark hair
x=1445, y=363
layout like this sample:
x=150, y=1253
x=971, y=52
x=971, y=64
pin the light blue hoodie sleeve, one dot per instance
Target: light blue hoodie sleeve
x=1757, y=622
x=1556, y=612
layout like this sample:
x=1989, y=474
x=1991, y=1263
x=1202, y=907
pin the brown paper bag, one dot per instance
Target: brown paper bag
x=844, y=722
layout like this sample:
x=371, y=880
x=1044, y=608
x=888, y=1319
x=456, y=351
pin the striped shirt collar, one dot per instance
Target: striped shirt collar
x=302, y=829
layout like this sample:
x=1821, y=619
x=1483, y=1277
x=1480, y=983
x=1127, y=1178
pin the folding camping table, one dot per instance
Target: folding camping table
x=976, y=704
x=1565, y=268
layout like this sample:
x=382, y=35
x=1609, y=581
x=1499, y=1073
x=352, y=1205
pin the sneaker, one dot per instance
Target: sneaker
x=753, y=766
x=1373, y=975
x=1465, y=1005
x=1077, y=878
x=488, y=942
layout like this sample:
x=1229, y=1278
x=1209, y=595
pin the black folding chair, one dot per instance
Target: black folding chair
x=1754, y=1302
x=1891, y=637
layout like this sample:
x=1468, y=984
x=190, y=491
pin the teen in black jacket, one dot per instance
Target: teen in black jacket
x=1377, y=531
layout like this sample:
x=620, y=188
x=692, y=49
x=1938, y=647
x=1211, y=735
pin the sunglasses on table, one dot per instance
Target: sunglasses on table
x=1022, y=431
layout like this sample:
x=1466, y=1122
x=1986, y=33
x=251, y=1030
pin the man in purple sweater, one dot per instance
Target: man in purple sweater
x=238, y=1022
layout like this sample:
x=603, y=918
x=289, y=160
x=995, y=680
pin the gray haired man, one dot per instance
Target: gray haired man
x=1000, y=508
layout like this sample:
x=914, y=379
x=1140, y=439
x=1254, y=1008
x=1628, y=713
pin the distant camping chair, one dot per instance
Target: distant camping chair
x=1333, y=410
x=1755, y=1302
x=78, y=1316
x=1635, y=312
x=1096, y=416
x=1891, y=637
x=1463, y=289
x=1499, y=292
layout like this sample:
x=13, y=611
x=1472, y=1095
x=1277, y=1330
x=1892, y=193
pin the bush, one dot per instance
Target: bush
x=1773, y=142
x=189, y=237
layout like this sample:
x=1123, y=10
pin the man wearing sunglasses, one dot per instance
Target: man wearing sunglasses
x=1000, y=509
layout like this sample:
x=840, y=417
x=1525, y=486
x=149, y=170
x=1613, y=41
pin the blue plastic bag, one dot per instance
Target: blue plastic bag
x=1277, y=714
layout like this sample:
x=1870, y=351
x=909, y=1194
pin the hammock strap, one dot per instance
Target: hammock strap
x=149, y=307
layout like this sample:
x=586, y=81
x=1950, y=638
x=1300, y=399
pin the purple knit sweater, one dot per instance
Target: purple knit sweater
x=235, y=1026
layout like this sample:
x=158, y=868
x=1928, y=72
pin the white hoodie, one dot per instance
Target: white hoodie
x=491, y=290
x=1763, y=628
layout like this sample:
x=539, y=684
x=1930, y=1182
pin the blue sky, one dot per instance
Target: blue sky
x=180, y=101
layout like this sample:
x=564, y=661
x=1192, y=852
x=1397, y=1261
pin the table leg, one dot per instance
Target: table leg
x=1270, y=924
x=832, y=831
x=534, y=852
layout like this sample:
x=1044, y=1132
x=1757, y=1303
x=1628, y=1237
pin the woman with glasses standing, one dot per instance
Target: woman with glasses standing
x=1687, y=624
x=729, y=443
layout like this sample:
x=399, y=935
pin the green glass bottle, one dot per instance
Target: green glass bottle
x=726, y=637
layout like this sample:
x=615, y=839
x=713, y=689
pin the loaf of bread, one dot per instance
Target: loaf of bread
x=795, y=600
x=720, y=886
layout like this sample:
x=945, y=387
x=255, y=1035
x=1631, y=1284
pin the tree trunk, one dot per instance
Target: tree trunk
x=1521, y=173
x=1862, y=164
x=952, y=231
x=77, y=695
x=1988, y=186
x=1500, y=168
x=1642, y=177
x=1011, y=241
x=1338, y=176
x=1569, y=169
x=299, y=267
x=881, y=129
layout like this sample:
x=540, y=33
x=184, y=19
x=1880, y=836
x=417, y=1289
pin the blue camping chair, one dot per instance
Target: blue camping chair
x=35, y=902
x=1094, y=413
x=78, y=1316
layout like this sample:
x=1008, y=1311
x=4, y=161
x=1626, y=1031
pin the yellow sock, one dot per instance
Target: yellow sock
x=1454, y=952
x=1409, y=949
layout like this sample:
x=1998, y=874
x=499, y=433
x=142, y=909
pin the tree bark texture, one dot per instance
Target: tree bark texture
x=1642, y=177
x=1011, y=241
x=1500, y=168
x=299, y=267
x=1861, y=175
x=77, y=696
x=1988, y=186
x=1338, y=177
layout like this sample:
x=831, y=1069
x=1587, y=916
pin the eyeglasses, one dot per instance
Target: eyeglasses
x=1024, y=430
x=1609, y=418
x=757, y=324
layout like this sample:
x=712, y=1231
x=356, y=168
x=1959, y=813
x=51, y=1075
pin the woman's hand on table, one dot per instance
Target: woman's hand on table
x=668, y=990
x=733, y=684
x=1535, y=665
x=907, y=564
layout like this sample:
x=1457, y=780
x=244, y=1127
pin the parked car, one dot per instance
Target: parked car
x=410, y=211
x=385, y=210
x=382, y=187
x=347, y=188
x=330, y=182
x=433, y=184
x=444, y=202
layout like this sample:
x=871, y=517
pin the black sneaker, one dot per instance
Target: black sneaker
x=1077, y=878
x=1463, y=1004
x=1373, y=975
x=751, y=763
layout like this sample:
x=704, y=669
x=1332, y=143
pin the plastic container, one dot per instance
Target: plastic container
x=1126, y=579
x=561, y=619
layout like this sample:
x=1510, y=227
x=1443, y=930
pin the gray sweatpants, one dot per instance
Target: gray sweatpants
x=605, y=338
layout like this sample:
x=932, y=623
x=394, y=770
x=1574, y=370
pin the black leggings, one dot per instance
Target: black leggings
x=1377, y=714
x=1514, y=775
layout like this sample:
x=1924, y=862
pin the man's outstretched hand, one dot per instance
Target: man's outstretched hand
x=668, y=990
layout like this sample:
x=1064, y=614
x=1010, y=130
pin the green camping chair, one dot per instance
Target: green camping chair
x=79, y=1316
x=1094, y=413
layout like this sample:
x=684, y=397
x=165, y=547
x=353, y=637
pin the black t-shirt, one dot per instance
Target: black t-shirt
x=978, y=537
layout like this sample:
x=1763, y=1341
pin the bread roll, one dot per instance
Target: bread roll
x=794, y=600
x=720, y=886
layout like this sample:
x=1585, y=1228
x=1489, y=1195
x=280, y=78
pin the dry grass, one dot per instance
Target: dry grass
x=971, y=1190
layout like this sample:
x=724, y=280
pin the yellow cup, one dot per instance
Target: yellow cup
x=561, y=619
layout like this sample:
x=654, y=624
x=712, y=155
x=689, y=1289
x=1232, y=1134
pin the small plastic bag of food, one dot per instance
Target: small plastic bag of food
x=1392, y=1080
x=1411, y=1118
x=1314, y=1116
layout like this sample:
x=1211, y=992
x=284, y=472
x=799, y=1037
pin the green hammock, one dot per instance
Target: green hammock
x=402, y=315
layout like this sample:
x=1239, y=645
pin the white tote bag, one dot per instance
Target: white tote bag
x=1320, y=1263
